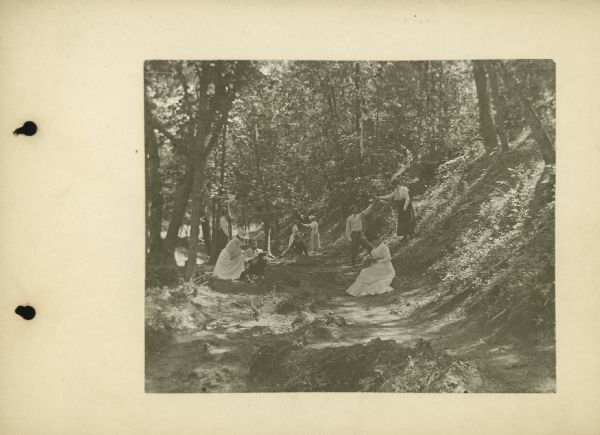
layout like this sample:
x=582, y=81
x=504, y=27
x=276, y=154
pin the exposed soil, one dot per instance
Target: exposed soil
x=478, y=322
x=297, y=330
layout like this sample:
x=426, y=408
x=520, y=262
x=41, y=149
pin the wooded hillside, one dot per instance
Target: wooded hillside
x=268, y=139
x=471, y=304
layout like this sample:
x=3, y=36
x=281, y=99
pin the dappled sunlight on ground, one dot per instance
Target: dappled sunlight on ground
x=181, y=257
x=460, y=286
x=220, y=331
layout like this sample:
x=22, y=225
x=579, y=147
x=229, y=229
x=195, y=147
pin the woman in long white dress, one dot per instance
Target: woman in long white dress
x=376, y=278
x=230, y=263
x=315, y=239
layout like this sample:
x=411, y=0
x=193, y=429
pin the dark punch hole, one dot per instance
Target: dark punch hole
x=25, y=312
x=29, y=128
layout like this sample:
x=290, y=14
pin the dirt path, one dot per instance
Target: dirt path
x=215, y=358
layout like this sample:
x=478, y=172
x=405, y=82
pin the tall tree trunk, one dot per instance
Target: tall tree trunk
x=198, y=190
x=427, y=82
x=545, y=145
x=331, y=128
x=499, y=105
x=219, y=208
x=443, y=111
x=184, y=187
x=267, y=225
x=206, y=232
x=263, y=187
x=223, y=149
x=215, y=229
x=211, y=118
x=183, y=190
x=229, y=220
x=488, y=132
x=377, y=107
x=154, y=198
x=201, y=153
x=197, y=205
x=422, y=109
x=358, y=123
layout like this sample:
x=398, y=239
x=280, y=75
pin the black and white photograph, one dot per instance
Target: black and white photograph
x=350, y=226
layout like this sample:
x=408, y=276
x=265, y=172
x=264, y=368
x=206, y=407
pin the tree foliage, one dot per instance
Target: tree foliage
x=317, y=137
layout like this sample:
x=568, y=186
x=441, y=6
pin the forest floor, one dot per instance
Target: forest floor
x=297, y=330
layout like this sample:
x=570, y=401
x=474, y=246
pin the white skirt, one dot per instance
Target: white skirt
x=373, y=280
x=315, y=242
x=226, y=268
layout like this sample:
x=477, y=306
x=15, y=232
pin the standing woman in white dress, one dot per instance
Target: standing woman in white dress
x=315, y=240
x=376, y=278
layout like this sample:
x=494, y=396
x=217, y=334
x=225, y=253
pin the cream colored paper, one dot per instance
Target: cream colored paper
x=72, y=207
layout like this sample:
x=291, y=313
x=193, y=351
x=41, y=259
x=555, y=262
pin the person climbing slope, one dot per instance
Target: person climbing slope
x=400, y=200
x=354, y=231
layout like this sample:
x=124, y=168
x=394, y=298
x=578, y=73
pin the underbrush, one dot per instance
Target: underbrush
x=163, y=275
x=494, y=235
x=380, y=365
x=486, y=242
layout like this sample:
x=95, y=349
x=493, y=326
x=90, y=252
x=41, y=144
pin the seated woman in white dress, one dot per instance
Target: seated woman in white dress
x=230, y=263
x=376, y=278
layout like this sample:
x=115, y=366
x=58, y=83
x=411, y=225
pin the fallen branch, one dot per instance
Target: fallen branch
x=239, y=304
x=497, y=315
x=246, y=306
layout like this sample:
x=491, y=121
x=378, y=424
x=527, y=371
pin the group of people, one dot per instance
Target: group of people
x=377, y=277
x=240, y=260
x=237, y=261
x=297, y=245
